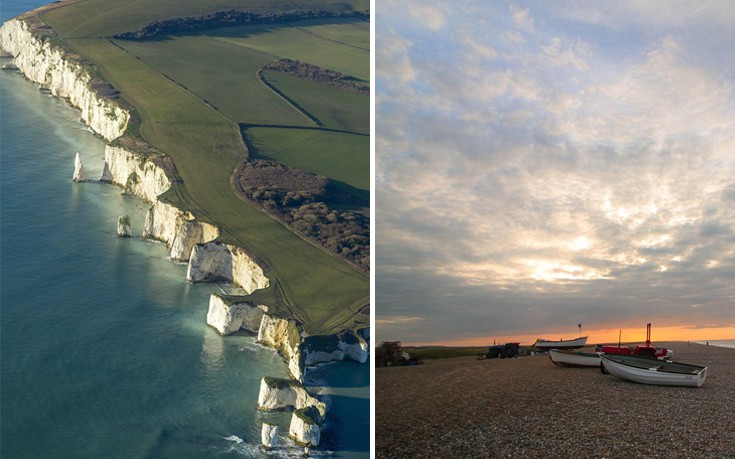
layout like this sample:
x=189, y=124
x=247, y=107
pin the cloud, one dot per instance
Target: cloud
x=393, y=61
x=391, y=320
x=429, y=16
x=521, y=182
x=522, y=18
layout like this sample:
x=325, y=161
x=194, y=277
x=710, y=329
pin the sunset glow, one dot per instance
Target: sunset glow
x=540, y=164
x=598, y=336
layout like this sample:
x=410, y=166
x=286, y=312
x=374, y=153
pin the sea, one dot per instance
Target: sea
x=105, y=351
x=719, y=342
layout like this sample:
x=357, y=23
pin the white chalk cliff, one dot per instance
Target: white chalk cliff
x=49, y=66
x=283, y=336
x=346, y=345
x=136, y=173
x=216, y=262
x=228, y=318
x=179, y=229
x=278, y=394
x=304, y=429
x=188, y=239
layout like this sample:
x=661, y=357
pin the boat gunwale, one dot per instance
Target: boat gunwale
x=649, y=364
x=587, y=359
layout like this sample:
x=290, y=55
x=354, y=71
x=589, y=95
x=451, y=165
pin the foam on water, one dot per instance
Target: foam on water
x=286, y=448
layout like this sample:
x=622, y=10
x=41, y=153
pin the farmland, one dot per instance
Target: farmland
x=191, y=93
x=337, y=155
x=340, y=44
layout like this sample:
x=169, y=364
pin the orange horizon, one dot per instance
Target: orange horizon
x=595, y=336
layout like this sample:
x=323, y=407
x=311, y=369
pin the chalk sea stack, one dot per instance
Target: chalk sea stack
x=79, y=175
x=269, y=436
x=123, y=226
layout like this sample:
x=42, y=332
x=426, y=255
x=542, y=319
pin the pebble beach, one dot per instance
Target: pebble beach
x=527, y=407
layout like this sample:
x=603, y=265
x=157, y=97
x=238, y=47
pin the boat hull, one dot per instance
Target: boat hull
x=575, y=359
x=655, y=372
x=640, y=351
x=561, y=344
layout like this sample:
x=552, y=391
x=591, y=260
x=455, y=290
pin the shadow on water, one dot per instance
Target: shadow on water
x=347, y=427
x=340, y=375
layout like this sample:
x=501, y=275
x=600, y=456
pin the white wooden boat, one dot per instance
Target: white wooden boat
x=560, y=344
x=574, y=358
x=653, y=371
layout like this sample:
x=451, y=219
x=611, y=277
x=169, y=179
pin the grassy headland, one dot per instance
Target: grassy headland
x=191, y=93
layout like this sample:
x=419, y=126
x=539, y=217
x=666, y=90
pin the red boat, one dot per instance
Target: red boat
x=642, y=351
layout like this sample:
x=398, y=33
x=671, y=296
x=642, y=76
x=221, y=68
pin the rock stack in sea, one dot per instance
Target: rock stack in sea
x=306, y=421
x=123, y=226
x=269, y=436
x=79, y=174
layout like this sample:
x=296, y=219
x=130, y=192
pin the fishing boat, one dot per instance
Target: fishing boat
x=639, y=351
x=561, y=344
x=563, y=357
x=649, y=371
x=642, y=351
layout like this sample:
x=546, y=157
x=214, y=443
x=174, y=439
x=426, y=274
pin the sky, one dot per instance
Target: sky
x=541, y=165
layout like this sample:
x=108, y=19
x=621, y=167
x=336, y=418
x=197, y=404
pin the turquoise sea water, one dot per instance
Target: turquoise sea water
x=105, y=350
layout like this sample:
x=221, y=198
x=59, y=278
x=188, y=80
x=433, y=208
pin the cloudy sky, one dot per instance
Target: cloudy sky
x=544, y=164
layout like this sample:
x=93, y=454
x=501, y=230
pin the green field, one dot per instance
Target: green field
x=335, y=109
x=190, y=93
x=104, y=18
x=196, y=62
x=342, y=157
x=357, y=34
x=317, y=47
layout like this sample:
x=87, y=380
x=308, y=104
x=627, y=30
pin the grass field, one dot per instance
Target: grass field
x=334, y=108
x=357, y=34
x=168, y=86
x=196, y=62
x=103, y=18
x=342, y=157
x=316, y=46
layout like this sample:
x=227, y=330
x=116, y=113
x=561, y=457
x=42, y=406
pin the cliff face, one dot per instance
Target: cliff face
x=178, y=229
x=217, y=262
x=278, y=394
x=342, y=346
x=187, y=238
x=47, y=65
x=135, y=173
x=229, y=318
x=141, y=176
x=283, y=335
x=304, y=428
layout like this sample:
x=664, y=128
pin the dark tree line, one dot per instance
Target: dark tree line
x=302, y=201
x=318, y=74
x=230, y=18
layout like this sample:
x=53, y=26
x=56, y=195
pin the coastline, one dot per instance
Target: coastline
x=527, y=407
x=726, y=343
x=148, y=176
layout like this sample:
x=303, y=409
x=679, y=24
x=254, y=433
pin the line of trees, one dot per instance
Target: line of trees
x=229, y=18
x=319, y=75
x=306, y=202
